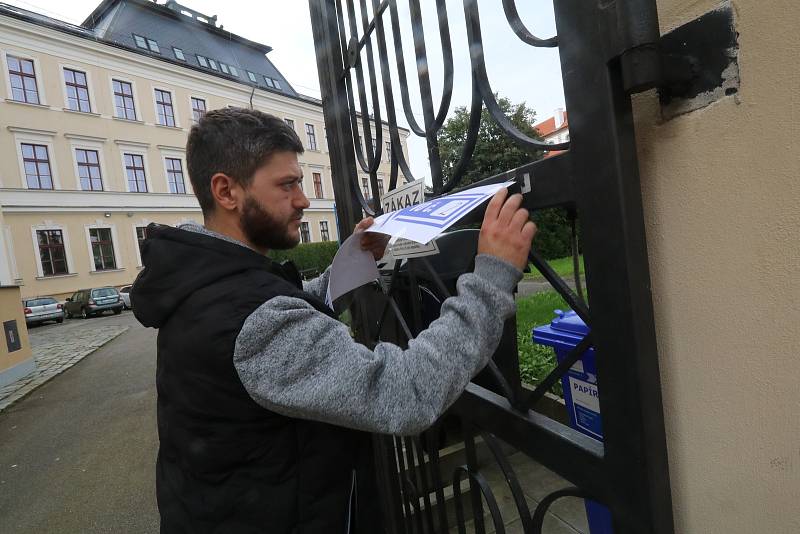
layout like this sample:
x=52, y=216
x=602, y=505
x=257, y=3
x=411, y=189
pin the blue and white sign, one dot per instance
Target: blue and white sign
x=426, y=221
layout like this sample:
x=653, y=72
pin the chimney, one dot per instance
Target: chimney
x=558, y=115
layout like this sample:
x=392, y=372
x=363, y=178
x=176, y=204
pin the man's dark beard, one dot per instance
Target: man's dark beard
x=263, y=230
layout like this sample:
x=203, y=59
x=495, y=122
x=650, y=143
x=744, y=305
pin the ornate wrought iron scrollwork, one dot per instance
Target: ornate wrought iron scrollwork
x=596, y=178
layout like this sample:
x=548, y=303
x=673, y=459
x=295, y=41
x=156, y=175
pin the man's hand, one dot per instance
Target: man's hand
x=370, y=241
x=506, y=231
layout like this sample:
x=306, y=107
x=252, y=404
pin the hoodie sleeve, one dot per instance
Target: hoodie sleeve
x=319, y=285
x=301, y=363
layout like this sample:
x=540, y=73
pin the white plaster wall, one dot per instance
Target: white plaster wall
x=721, y=192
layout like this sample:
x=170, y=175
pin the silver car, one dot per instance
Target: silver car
x=41, y=309
x=125, y=293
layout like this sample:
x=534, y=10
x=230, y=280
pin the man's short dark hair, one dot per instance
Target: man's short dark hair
x=235, y=142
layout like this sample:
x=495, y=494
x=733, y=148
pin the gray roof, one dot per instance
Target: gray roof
x=118, y=20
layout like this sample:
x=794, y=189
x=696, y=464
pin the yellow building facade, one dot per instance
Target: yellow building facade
x=92, y=150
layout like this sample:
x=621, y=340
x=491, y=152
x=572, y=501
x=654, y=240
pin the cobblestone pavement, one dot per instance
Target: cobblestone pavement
x=56, y=348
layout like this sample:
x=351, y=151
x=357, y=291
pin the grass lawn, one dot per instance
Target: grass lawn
x=536, y=361
x=562, y=266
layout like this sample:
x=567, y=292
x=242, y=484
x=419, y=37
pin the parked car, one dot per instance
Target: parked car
x=87, y=302
x=125, y=293
x=41, y=309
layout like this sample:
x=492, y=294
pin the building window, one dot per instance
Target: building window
x=388, y=151
x=277, y=84
x=141, y=235
x=202, y=61
x=268, y=81
x=252, y=77
x=123, y=100
x=23, y=80
x=318, y=193
x=305, y=233
x=153, y=46
x=224, y=68
x=77, y=91
x=89, y=169
x=213, y=64
x=166, y=115
x=290, y=122
x=375, y=147
x=312, y=137
x=198, y=109
x=36, y=161
x=102, y=249
x=234, y=71
x=178, y=53
x=52, y=252
x=380, y=187
x=323, y=231
x=134, y=170
x=140, y=41
x=175, y=176
x=365, y=186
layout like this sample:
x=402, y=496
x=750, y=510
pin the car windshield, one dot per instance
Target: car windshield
x=39, y=302
x=104, y=292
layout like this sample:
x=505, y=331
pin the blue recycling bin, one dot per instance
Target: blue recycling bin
x=580, y=393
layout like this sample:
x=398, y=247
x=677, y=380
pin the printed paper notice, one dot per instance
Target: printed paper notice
x=426, y=221
x=411, y=194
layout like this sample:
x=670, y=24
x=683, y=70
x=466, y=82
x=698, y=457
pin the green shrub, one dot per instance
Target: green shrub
x=536, y=361
x=308, y=256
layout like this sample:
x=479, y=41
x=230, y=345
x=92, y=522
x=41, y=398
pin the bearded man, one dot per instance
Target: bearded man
x=265, y=402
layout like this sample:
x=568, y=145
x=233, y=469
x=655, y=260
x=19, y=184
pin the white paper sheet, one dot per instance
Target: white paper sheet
x=352, y=267
x=426, y=221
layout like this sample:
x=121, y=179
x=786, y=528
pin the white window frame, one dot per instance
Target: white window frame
x=114, y=244
x=36, y=137
x=88, y=144
x=316, y=141
x=327, y=229
x=174, y=108
x=143, y=224
x=191, y=109
x=175, y=55
x=89, y=88
x=137, y=108
x=37, y=70
x=49, y=225
x=139, y=150
x=175, y=154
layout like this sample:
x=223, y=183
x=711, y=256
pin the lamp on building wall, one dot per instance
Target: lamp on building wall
x=106, y=214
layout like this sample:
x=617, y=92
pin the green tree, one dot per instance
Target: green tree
x=495, y=152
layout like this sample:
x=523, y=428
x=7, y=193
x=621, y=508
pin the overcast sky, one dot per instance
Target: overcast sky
x=516, y=70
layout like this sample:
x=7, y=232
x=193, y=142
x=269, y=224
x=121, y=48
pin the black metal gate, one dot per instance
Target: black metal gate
x=608, y=50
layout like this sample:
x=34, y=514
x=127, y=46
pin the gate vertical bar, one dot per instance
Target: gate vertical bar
x=603, y=156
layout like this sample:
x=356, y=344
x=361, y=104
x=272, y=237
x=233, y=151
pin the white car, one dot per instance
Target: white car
x=125, y=293
x=41, y=309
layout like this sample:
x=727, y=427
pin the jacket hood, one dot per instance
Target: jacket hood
x=179, y=262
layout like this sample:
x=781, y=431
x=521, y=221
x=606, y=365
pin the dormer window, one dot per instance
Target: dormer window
x=202, y=61
x=252, y=77
x=224, y=68
x=277, y=84
x=213, y=64
x=153, y=46
x=178, y=54
x=234, y=71
x=141, y=42
x=268, y=81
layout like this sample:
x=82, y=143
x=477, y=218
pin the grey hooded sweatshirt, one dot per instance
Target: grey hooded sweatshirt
x=301, y=363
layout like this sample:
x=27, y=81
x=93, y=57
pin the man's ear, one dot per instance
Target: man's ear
x=226, y=192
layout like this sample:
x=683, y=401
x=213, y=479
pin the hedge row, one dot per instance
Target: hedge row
x=308, y=256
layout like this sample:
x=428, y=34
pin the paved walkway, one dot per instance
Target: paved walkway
x=55, y=349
